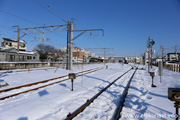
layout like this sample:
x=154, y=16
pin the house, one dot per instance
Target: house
x=12, y=43
x=9, y=51
x=11, y=55
x=80, y=54
x=131, y=59
x=173, y=56
x=138, y=60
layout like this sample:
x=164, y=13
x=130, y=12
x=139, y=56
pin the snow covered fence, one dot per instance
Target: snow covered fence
x=172, y=67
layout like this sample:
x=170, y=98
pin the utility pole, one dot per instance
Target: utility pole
x=70, y=45
x=18, y=40
x=104, y=55
x=151, y=54
x=70, y=42
x=67, y=50
x=162, y=53
x=176, y=53
x=148, y=54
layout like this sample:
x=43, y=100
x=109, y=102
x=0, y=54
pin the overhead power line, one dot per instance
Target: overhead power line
x=19, y=17
x=46, y=8
x=26, y=20
x=49, y=8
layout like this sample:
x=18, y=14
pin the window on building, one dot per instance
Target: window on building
x=22, y=58
x=22, y=45
x=34, y=57
x=10, y=44
x=29, y=57
x=3, y=44
x=12, y=58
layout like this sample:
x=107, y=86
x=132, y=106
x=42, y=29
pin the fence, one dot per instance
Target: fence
x=172, y=67
x=26, y=65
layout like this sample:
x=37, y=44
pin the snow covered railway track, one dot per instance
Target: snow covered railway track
x=44, y=81
x=89, y=101
x=117, y=113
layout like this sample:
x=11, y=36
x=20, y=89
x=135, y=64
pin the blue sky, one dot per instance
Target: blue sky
x=127, y=24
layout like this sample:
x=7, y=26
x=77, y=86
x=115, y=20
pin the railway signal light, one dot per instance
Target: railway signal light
x=152, y=42
x=174, y=95
x=72, y=76
x=152, y=74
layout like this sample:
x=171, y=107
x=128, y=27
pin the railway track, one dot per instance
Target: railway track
x=117, y=112
x=44, y=81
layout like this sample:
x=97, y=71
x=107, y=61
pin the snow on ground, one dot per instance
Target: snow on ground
x=56, y=101
x=145, y=102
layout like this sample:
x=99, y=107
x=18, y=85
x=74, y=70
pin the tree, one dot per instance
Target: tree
x=45, y=51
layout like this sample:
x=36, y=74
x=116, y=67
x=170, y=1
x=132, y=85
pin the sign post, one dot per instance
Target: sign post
x=72, y=76
x=160, y=69
x=152, y=74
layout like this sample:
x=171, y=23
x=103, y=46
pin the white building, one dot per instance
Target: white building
x=11, y=55
x=12, y=43
x=9, y=51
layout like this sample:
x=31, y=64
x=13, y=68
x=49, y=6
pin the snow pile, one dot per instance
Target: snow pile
x=2, y=83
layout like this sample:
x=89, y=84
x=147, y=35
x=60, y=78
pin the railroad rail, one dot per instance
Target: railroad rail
x=70, y=116
x=44, y=81
x=117, y=113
